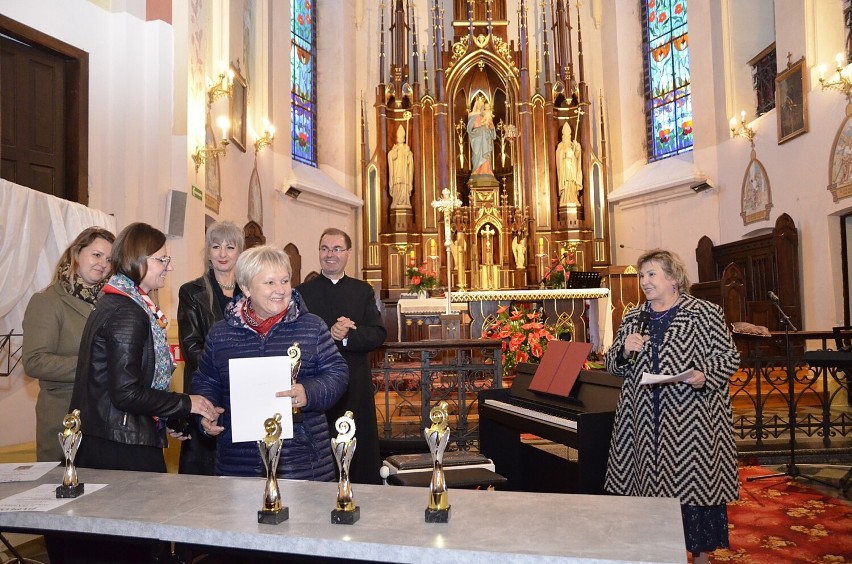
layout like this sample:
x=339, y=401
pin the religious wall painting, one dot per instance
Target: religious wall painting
x=255, y=197
x=212, y=178
x=756, y=194
x=791, y=101
x=196, y=50
x=840, y=163
x=249, y=38
x=239, y=107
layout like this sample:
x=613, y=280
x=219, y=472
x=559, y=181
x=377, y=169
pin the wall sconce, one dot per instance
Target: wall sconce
x=742, y=130
x=841, y=83
x=224, y=86
x=266, y=139
x=203, y=154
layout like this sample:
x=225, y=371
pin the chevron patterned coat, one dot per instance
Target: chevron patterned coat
x=694, y=457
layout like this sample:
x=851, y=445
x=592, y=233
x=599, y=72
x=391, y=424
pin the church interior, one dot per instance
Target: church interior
x=488, y=141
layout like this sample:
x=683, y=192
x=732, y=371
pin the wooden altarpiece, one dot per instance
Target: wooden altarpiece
x=511, y=224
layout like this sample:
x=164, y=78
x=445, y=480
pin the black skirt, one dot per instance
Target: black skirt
x=96, y=452
x=705, y=527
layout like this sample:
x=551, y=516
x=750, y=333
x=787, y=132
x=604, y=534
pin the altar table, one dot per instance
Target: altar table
x=484, y=526
x=556, y=302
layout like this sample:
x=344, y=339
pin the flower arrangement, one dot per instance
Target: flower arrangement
x=524, y=335
x=421, y=278
x=557, y=275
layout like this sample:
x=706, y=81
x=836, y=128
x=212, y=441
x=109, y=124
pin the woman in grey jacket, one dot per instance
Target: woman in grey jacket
x=53, y=326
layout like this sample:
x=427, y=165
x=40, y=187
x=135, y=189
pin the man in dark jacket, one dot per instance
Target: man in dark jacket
x=348, y=306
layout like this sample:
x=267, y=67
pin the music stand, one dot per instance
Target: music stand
x=792, y=470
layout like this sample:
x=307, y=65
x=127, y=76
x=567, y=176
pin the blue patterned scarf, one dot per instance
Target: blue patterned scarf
x=164, y=363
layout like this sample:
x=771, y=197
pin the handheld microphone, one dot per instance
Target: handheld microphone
x=773, y=297
x=644, y=317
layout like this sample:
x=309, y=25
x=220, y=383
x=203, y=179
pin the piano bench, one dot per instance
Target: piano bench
x=457, y=478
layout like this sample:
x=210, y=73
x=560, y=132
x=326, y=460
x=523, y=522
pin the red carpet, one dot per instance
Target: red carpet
x=778, y=520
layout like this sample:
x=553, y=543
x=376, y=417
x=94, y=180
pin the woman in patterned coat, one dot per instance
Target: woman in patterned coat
x=676, y=440
x=266, y=322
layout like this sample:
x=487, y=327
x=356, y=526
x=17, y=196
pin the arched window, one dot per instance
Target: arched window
x=303, y=78
x=668, y=91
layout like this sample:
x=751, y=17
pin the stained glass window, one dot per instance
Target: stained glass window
x=667, y=86
x=303, y=95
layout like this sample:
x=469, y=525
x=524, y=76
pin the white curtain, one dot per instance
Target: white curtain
x=35, y=229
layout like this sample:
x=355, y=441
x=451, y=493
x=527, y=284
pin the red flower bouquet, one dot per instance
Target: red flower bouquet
x=524, y=335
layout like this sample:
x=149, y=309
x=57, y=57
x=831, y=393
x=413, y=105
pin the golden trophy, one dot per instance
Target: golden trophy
x=437, y=436
x=295, y=354
x=271, y=512
x=70, y=439
x=343, y=447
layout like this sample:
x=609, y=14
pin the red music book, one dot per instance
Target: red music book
x=560, y=367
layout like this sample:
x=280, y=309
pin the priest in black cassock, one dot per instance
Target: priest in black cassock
x=348, y=306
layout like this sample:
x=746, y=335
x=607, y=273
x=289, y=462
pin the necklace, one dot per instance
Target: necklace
x=657, y=315
x=227, y=286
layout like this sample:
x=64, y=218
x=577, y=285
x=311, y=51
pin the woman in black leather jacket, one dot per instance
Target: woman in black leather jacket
x=125, y=366
x=202, y=303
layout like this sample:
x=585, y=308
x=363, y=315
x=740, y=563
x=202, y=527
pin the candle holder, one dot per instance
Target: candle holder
x=840, y=83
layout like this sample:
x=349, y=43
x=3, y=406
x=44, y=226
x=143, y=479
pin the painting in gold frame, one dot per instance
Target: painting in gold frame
x=239, y=101
x=791, y=101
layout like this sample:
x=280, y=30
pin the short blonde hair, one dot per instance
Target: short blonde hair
x=671, y=265
x=252, y=261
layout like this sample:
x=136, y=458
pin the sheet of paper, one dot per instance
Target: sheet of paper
x=648, y=378
x=41, y=498
x=254, y=382
x=24, y=471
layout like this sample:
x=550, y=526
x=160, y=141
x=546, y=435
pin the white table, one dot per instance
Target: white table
x=485, y=526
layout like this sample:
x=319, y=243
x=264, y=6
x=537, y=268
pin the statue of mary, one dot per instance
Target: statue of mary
x=481, y=133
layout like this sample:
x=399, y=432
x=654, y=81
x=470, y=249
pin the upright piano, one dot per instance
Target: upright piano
x=583, y=421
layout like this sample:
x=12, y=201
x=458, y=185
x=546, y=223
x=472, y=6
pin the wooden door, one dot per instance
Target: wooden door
x=44, y=112
x=32, y=90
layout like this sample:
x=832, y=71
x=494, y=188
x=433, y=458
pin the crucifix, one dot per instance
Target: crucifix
x=447, y=203
x=489, y=232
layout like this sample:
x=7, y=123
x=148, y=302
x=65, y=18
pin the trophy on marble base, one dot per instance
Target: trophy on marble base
x=295, y=354
x=70, y=439
x=271, y=512
x=343, y=447
x=437, y=436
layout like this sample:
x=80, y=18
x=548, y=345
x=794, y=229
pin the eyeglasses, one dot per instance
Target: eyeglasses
x=163, y=260
x=333, y=251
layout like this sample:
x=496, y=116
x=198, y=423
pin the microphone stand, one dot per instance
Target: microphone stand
x=792, y=470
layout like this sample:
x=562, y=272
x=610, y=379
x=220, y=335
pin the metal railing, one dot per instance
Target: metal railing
x=10, y=352
x=762, y=401
x=410, y=378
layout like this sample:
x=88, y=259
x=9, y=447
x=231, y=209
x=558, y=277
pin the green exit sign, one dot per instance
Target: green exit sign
x=196, y=191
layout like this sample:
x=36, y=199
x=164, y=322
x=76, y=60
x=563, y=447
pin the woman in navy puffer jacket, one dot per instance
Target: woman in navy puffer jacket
x=266, y=322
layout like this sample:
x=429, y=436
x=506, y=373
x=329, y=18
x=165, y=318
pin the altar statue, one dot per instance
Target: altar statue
x=569, y=168
x=401, y=167
x=458, y=251
x=519, y=250
x=480, y=131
